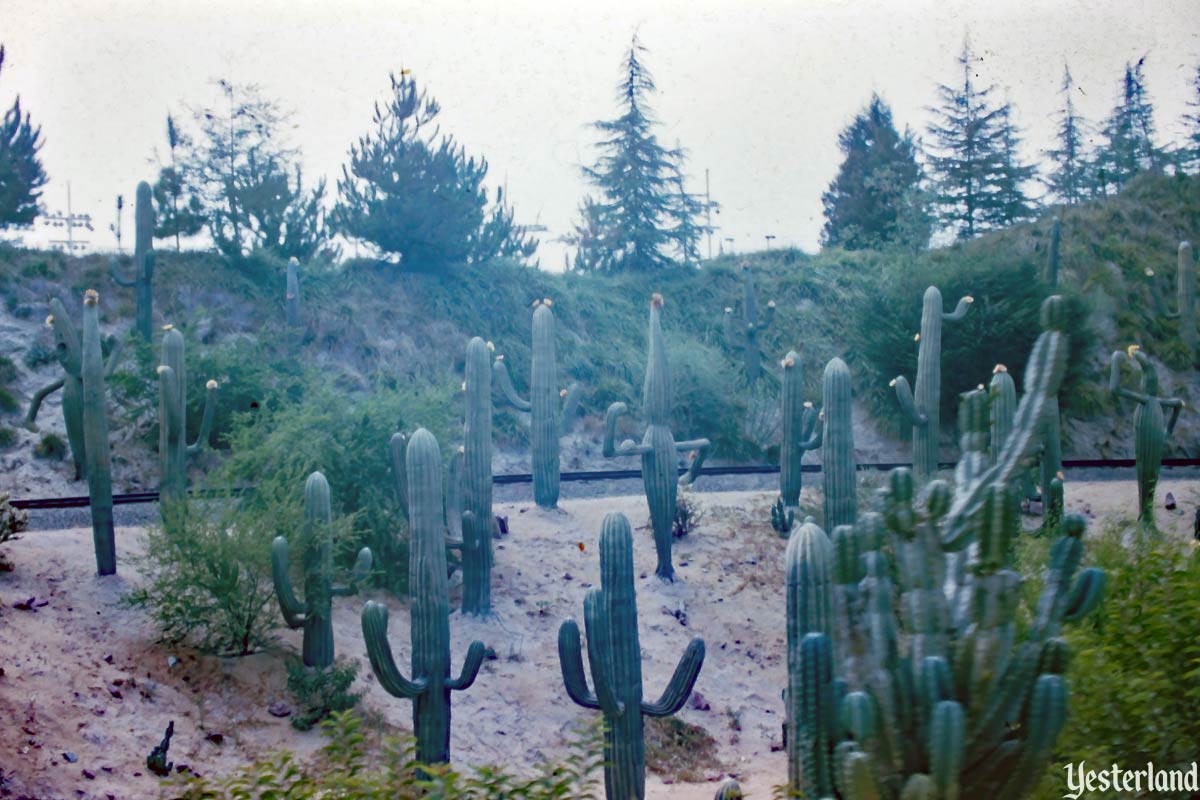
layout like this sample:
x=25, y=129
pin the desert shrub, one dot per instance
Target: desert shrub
x=39, y=353
x=8, y=370
x=688, y=515
x=8, y=437
x=51, y=447
x=359, y=763
x=12, y=521
x=8, y=402
x=679, y=750
x=321, y=691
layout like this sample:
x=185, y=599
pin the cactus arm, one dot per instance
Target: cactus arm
x=362, y=568
x=115, y=274
x=374, y=625
x=210, y=409
x=627, y=447
x=1160, y=305
x=294, y=612
x=1176, y=405
x=570, y=408
x=701, y=448
x=114, y=358
x=681, y=684
x=731, y=338
x=770, y=317
x=600, y=652
x=907, y=406
x=36, y=403
x=397, y=446
x=470, y=669
x=812, y=434
x=570, y=660
x=1114, y=380
x=1086, y=595
x=960, y=310
x=504, y=381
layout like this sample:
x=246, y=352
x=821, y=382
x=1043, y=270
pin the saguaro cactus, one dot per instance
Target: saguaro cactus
x=95, y=437
x=173, y=447
x=743, y=335
x=68, y=350
x=315, y=614
x=1185, y=309
x=1150, y=426
x=659, y=450
x=838, y=465
x=477, y=481
x=1052, y=255
x=292, y=295
x=547, y=417
x=610, y=619
x=924, y=408
x=801, y=431
x=143, y=261
x=729, y=789
x=431, y=683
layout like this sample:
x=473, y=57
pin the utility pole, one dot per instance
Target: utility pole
x=770, y=236
x=708, y=214
x=70, y=221
x=117, y=228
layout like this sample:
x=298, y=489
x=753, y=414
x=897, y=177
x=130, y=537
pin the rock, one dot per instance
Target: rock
x=215, y=738
x=699, y=702
x=1169, y=502
x=87, y=773
x=489, y=653
x=70, y=757
x=279, y=709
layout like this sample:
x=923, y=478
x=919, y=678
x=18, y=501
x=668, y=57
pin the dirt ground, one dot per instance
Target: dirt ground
x=84, y=675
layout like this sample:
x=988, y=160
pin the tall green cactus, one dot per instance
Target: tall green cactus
x=477, y=481
x=292, y=294
x=659, y=450
x=610, y=620
x=838, y=465
x=1053, y=254
x=431, y=684
x=907, y=677
x=143, y=261
x=801, y=431
x=315, y=614
x=924, y=408
x=1185, y=299
x=95, y=437
x=173, y=447
x=547, y=417
x=743, y=337
x=1150, y=426
x=68, y=351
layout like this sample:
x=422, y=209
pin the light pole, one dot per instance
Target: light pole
x=117, y=227
x=770, y=237
x=70, y=221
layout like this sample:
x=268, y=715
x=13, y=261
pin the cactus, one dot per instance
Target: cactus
x=143, y=261
x=548, y=417
x=1052, y=257
x=907, y=676
x=292, y=294
x=801, y=431
x=1186, y=308
x=924, y=408
x=94, y=406
x=744, y=337
x=837, y=454
x=69, y=353
x=1150, y=426
x=173, y=447
x=477, y=481
x=659, y=450
x=610, y=620
x=315, y=613
x=782, y=518
x=431, y=683
x=729, y=789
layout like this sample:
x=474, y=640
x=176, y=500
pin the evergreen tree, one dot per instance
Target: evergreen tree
x=642, y=210
x=869, y=200
x=969, y=152
x=1069, y=180
x=420, y=198
x=21, y=173
x=1190, y=154
x=1009, y=202
x=687, y=212
x=1128, y=135
x=169, y=190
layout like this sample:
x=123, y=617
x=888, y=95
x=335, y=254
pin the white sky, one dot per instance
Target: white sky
x=757, y=95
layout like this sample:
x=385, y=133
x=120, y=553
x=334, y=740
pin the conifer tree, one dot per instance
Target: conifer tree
x=1068, y=181
x=1128, y=146
x=21, y=173
x=1010, y=203
x=169, y=190
x=1190, y=152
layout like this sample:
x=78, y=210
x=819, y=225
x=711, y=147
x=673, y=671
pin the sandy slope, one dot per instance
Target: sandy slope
x=84, y=674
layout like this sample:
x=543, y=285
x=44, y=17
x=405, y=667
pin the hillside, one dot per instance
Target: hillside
x=367, y=329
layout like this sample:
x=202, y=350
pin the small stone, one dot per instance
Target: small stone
x=279, y=709
x=1169, y=504
x=108, y=658
x=171, y=661
x=215, y=738
x=70, y=757
x=87, y=773
x=699, y=702
x=489, y=653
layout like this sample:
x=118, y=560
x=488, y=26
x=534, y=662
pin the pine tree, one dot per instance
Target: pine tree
x=416, y=196
x=867, y=204
x=1190, y=159
x=1128, y=135
x=21, y=173
x=169, y=190
x=642, y=211
x=969, y=152
x=1009, y=202
x=1069, y=180
x=686, y=212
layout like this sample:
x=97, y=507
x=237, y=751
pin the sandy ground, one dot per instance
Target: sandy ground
x=83, y=674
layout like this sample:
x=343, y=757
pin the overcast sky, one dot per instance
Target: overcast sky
x=757, y=95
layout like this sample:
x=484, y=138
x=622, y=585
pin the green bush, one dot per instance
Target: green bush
x=8, y=370
x=8, y=402
x=321, y=691
x=12, y=521
x=357, y=764
x=51, y=447
x=8, y=437
x=39, y=353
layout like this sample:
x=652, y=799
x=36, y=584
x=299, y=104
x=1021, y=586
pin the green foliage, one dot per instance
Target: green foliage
x=8, y=370
x=8, y=437
x=51, y=446
x=359, y=763
x=39, y=354
x=321, y=691
x=8, y=402
x=12, y=521
x=21, y=173
x=688, y=515
x=1128, y=146
x=1069, y=177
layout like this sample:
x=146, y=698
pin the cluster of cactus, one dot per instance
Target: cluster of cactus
x=615, y=656
x=143, y=261
x=292, y=294
x=801, y=431
x=1185, y=298
x=94, y=405
x=315, y=613
x=782, y=518
x=923, y=408
x=68, y=351
x=431, y=682
x=547, y=416
x=838, y=465
x=1150, y=426
x=173, y=447
x=659, y=450
x=744, y=337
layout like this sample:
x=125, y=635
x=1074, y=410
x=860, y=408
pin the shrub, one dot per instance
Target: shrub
x=8, y=370
x=320, y=692
x=679, y=750
x=51, y=446
x=8, y=437
x=355, y=764
x=12, y=521
x=40, y=352
x=687, y=514
x=8, y=403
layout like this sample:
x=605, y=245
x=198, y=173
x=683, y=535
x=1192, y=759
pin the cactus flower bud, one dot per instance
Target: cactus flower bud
x=210, y=385
x=91, y=297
